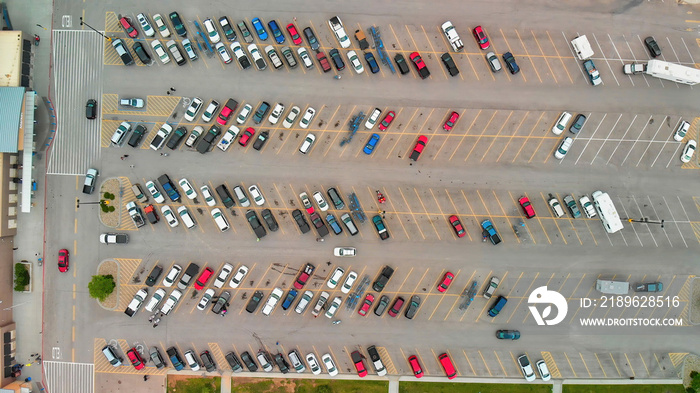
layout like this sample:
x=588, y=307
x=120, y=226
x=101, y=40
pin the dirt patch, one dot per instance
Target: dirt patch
x=105, y=268
x=690, y=364
x=112, y=186
x=695, y=301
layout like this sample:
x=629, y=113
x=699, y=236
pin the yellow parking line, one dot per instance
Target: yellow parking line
x=419, y=281
x=551, y=364
x=513, y=136
x=665, y=291
x=630, y=364
x=493, y=115
x=500, y=363
x=388, y=154
x=403, y=355
x=442, y=215
x=426, y=213
x=645, y=365
x=511, y=51
x=468, y=361
x=572, y=367
x=561, y=59
x=465, y=134
x=522, y=298
x=527, y=315
x=512, y=199
x=485, y=364
x=410, y=148
x=601, y=365
x=585, y=365
x=457, y=297
x=449, y=135
x=544, y=57
x=657, y=362
x=404, y=280
x=342, y=124
x=488, y=212
x=534, y=67
x=554, y=219
x=456, y=211
x=493, y=140
x=534, y=127
x=432, y=49
x=564, y=282
x=412, y=214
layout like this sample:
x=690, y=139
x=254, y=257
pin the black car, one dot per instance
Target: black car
x=186, y=278
x=320, y=226
x=383, y=279
x=260, y=140
x=413, y=307
x=205, y=143
x=177, y=137
x=337, y=59
x=249, y=361
x=301, y=221
x=282, y=363
x=154, y=275
x=382, y=304
x=233, y=361
x=334, y=195
x=142, y=53
x=221, y=304
x=225, y=195
x=401, y=64
x=510, y=61
x=449, y=64
x=91, y=109
x=261, y=112
x=137, y=135
x=371, y=62
x=653, y=47
x=156, y=358
x=255, y=223
x=227, y=28
x=578, y=123
x=175, y=358
x=252, y=305
x=177, y=24
x=269, y=219
x=208, y=361
x=311, y=37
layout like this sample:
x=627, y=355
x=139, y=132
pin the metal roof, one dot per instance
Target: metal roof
x=11, y=104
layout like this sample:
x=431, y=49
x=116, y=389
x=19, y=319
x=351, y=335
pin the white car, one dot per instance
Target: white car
x=210, y=111
x=171, y=302
x=187, y=45
x=265, y=362
x=304, y=302
x=355, y=62
x=291, y=116
x=526, y=368
x=206, y=298
x=220, y=219
x=563, y=148
x=372, y=118
x=313, y=363
x=242, y=58
x=321, y=202
x=191, y=360
x=196, y=132
x=689, y=150
x=172, y=275
x=223, y=53
x=161, y=26
x=244, y=113
x=169, y=216
x=588, y=208
x=349, y=282
x=344, y=251
x=272, y=301
x=211, y=31
x=335, y=277
x=193, y=109
x=136, y=302
x=681, y=131
x=159, y=140
x=186, y=217
x=304, y=55
x=158, y=297
x=276, y=114
x=544, y=371
x=333, y=307
x=227, y=140
x=145, y=25
x=330, y=365
x=308, y=142
x=306, y=201
x=187, y=188
x=223, y=275
x=337, y=26
x=308, y=116
x=160, y=52
x=258, y=60
x=238, y=277
x=208, y=197
x=151, y=186
x=561, y=123
x=256, y=195
x=241, y=196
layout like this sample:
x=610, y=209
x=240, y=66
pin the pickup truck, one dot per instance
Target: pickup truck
x=228, y=138
x=161, y=136
x=114, y=238
x=361, y=39
x=490, y=231
x=634, y=68
x=135, y=214
x=593, y=73
x=132, y=102
x=151, y=214
x=169, y=188
x=649, y=287
x=337, y=26
x=452, y=36
x=205, y=143
x=90, y=180
x=136, y=302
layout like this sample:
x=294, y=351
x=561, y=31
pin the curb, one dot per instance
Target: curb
x=116, y=288
x=117, y=198
x=691, y=301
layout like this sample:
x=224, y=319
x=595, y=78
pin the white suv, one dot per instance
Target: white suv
x=192, y=110
x=561, y=123
x=272, y=301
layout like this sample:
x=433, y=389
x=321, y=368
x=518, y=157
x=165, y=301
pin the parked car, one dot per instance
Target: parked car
x=526, y=368
x=653, y=47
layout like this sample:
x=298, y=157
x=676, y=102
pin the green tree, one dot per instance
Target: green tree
x=21, y=277
x=101, y=286
x=695, y=382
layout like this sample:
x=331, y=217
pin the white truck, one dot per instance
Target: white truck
x=582, y=48
x=612, y=287
x=452, y=36
x=228, y=138
x=136, y=215
x=673, y=72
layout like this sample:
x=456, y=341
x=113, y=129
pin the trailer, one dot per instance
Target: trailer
x=673, y=72
x=582, y=48
x=612, y=287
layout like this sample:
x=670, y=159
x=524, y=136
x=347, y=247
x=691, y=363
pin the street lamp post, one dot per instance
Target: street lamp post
x=78, y=203
x=645, y=220
x=93, y=29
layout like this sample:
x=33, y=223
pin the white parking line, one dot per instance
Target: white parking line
x=650, y=142
x=675, y=154
x=627, y=215
x=621, y=139
x=588, y=116
x=662, y=149
x=658, y=217
x=574, y=54
x=635, y=60
x=673, y=49
x=641, y=214
x=674, y=218
x=641, y=42
x=692, y=61
x=589, y=141
x=606, y=138
x=635, y=142
x=606, y=59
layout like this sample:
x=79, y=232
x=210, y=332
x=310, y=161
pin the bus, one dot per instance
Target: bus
x=606, y=211
x=673, y=72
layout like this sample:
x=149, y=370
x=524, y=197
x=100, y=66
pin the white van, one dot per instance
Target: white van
x=220, y=219
x=582, y=47
x=186, y=217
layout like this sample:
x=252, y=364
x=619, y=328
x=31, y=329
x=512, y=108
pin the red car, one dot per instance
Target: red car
x=63, y=262
x=203, y=278
x=294, y=33
x=447, y=365
x=304, y=276
x=135, y=358
x=527, y=207
x=247, y=134
x=415, y=366
x=418, y=149
x=387, y=121
x=420, y=65
x=446, y=281
x=359, y=364
x=128, y=27
x=366, y=304
x=450, y=123
x=323, y=60
x=227, y=111
x=396, y=307
x=481, y=38
x=457, y=226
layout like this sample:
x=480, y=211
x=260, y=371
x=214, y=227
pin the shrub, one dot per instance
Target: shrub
x=101, y=286
x=21, y=277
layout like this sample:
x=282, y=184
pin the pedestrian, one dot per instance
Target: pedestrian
x=150, y=319
x=172, y=89
x=122, y=158
x=131, y=166
x=126, y=156
x=145, y=377
x=295, y=18
x=167, y=92
x=277, y=343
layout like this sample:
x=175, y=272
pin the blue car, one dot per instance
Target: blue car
x=276, y=32
x=259, y=28
x=369, y=58
x=371, y=143
x=334, y=224
x=291, y=295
